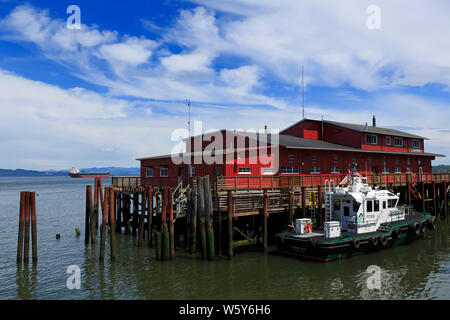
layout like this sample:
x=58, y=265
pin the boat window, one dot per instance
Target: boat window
x=384, y=204
x=346, y=211
x=391, y=194
x=356, y=206
x=392, y=203
x=337, y=204
x=369, y=206
x=376, y=206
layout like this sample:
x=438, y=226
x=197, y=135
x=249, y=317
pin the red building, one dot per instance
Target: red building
x=307, y=147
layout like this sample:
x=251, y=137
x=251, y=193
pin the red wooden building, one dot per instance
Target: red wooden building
x=307, y=147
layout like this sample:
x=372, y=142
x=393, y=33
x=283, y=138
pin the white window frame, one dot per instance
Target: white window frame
x=289, y=170
x=147, y=171
x=409, y=170
x=192, y=171
x=418, y=144
x=315, y=170
x=371, y=136
x=314, y=159
x=335, y=169
x=388, y=140
x=268, y=171
x=398, y=139
x=161, y=172
x=385, y=170
x=335, y=158
x=291, y=158
x=245, y=170
x=398, y=170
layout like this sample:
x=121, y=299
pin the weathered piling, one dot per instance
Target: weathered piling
x=201, y=214
x=230, y=224
x=103, y=226
x=171, y=225
x=21, y=227
x=119, y=213
x=87, y=220
x=209, y=218
x=26, y=251
x=142, y=218
x=446, y=189
x=265, y=221
x=112, y=229
x=150, y=215
x=164, y=228
x=135, y=217
x=158, y=241
x=194, y=221
x=33, y=226
x=189, y=219
x=291, y=207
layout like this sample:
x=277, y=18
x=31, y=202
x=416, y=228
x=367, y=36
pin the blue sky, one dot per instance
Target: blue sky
x=115, y=90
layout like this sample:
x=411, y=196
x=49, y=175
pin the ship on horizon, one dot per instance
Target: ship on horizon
x=76, y=173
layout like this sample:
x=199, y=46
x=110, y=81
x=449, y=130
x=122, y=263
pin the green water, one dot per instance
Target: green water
x=420, y=270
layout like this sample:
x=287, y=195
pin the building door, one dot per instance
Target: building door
x=181, y=175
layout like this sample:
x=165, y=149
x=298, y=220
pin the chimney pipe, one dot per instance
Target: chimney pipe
x=265, y=129
x=374, y=122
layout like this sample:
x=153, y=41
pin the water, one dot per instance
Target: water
x=417, y=271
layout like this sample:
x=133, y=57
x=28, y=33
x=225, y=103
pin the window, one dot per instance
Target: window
x=392, y=203
x=385, y=170
x=356, y=206
x=419, y=162
x=388, y=141
x=192, y=171
x=245, y=170
x=398, y=170
x=337, y=204
x=164, y=172
x=289, y=170
x=346, y=211
x=291, y=158
x=398, y=142
x=384, y=204
x=408, y=161
x=409, y=170
x=376, y=205
x=217, y=171
x=416, y=144
x=397, y=161
x=268, y=171
x=353, y=159
x=335, y=158
x=369, y=206
x=334, y=170
x=384, y=161
x=369, y=160
x=371, y=139
x=315, y=170
x=149, y=173
x=314, y=159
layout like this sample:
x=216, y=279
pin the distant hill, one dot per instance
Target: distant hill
x=113, y=171
x=441, y=168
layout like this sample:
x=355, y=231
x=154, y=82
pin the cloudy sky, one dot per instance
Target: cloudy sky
x=115, y=89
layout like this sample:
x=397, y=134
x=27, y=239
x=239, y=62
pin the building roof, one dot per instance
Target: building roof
x=368, y=129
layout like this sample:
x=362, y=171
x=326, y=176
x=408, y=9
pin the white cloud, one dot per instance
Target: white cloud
x=133, y=51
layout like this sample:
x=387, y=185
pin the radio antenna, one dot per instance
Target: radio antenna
x=303, y=93
x=188, y=101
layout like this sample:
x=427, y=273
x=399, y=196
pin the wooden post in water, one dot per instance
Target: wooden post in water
x=188, y=220
x=303, y=202
x=119, y=212
x=445, y=198
x=158, y=245
x=26, y=251
x=230, y=224
x=112, y=229
x=164, y=229
x=434, y=199
x=87, y=221
x=142, y=218
x=423, y=196
x=201, y=214
x=209, y=211
x=21, y=228
x=134, y=225
x=265, y=220
x=291, y=207
x=194, y=221
x=33, y=226
x=171, y=226
x=150, y=214
x=103, y=226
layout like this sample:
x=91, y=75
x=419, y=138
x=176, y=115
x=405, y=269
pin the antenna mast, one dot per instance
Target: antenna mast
x=303, y=94
x=188, y=101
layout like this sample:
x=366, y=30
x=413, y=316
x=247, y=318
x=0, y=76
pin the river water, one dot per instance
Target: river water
x=420, y=270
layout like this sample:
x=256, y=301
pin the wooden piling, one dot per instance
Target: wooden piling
x=33, y=227
x=26, y=251
x=171, y=226
x=112, y=229
x=209, y=211
x=230, y=224
x=201, y=214
x=103, y=226
x=265, y=220
x=188, y=219
x=21, y=228
x=446, y=198
x=164, y=229
x=423, y=196
x=434, y=199
x=150, y=214
x=158, y=245
x=194, y=221
x=134, y=225
x=291, y=207
x=87, y=220
x=142, y=218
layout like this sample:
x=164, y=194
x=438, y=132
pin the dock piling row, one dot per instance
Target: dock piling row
x=27, y=221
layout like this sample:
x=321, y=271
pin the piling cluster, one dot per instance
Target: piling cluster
x=27, y=219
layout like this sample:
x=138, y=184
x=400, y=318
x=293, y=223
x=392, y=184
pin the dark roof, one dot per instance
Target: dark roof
x=377, y=130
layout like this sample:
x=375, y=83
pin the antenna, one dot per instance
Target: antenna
x=188, y=101
x=303, y=94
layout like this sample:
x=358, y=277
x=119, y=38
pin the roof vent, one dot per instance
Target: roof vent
x=374, y=121
x=367, y=126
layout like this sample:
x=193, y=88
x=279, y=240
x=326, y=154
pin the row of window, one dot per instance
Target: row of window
x=372, y=205
x=369, y=160
x=163, y=172
x=398, y=142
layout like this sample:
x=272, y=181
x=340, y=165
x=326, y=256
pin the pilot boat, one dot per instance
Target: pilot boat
x=358, y=219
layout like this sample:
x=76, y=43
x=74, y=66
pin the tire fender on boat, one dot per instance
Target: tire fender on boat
x=431, y=222
x=383, y=240
x=415, y=228
x=423, y=227
x=397, y=233
x=374, y=241
x=356, y=243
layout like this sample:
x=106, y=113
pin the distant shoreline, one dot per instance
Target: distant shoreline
x=113, y=171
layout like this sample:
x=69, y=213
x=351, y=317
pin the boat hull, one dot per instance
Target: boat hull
x=348, y=245
x=89, y=175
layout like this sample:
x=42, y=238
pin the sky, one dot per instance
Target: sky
x=115, y=89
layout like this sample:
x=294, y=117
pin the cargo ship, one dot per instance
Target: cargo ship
x=359, y=220
x=76, y=173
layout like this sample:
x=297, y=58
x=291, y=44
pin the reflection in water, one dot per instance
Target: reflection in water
x=26, y=279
